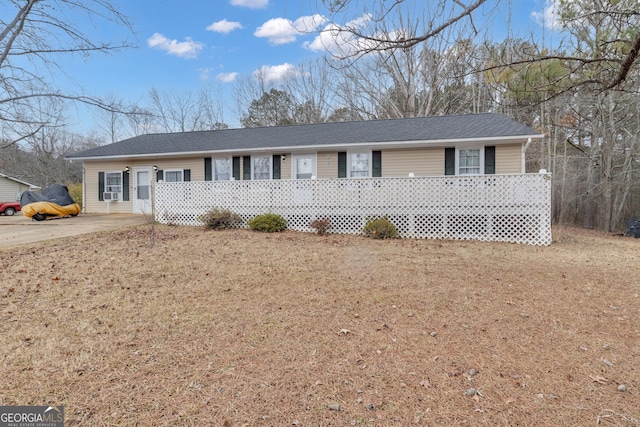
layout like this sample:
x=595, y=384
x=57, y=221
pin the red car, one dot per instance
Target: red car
x=9, y=208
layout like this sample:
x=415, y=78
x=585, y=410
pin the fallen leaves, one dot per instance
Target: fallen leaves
x=598, y=379
x=202, y=314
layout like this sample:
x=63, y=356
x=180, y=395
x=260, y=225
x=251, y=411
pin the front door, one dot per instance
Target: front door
x=142, y=202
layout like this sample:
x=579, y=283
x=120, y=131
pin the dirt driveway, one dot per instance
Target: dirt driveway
x=18, y=229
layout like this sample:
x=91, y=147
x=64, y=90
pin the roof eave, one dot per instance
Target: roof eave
x=19, y=181
x=288, y=148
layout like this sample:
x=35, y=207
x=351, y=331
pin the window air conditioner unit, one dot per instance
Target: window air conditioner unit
x=110, y=196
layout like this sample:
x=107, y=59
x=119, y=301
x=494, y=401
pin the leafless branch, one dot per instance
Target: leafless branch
x=21, y=138
x=626, y=65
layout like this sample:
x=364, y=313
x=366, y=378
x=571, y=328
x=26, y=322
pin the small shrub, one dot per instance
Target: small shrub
x=220, y=219
x=268, y=222
x=321, y=226
x=380, y=228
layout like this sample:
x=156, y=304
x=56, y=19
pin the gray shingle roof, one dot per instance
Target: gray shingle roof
x=348, y=134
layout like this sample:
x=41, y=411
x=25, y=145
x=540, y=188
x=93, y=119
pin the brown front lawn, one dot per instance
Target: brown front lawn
x=239, y=328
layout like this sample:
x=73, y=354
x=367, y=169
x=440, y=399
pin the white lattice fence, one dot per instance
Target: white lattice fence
x=509, y=208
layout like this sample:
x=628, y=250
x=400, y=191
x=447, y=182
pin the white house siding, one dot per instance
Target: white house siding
x=9, y=189
x=195, y=164
x=420, y=162
x=430, y=161
x=285, y=167
x=509, y=159
x=395, y=163
x=91, y=202
x=327, y=164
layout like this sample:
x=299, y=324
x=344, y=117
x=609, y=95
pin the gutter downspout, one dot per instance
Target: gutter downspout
x=524, y=151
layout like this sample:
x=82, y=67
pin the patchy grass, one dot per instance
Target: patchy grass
x=241, y=328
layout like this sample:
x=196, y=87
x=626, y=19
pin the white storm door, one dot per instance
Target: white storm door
x=142, y=190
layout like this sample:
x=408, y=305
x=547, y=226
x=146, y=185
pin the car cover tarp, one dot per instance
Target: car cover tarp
x=52, y=201
x=55, y=193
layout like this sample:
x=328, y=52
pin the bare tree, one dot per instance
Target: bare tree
x=210, y=102
x=357, y=28
x=248, y=89
x=33, y=41
x=313, y=86
x=111, y=120
x=428, y=79
x=184, y=111
x=139, y=121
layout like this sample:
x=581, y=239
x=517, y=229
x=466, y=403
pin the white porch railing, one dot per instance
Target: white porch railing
x=507, y=208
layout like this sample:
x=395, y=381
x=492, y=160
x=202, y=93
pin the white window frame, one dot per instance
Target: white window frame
x=481, y=157
x=167, y=171
x=109, y=189
x=229, y=168
x=253, y=166
x=294, y=164
x=369, y=161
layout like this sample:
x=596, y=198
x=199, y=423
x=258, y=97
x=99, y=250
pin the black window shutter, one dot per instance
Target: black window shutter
x=125, y=186
x=235, y=168
x=376, y=171
x=246, y=168
x=490, y=160
x=100, y=186
x=208, y=169
x=449, y=161
x=342, y=164
x=159, y=175
x=186, y=175
x=276, y=166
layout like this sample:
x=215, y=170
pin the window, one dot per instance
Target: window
x=303, y=166
x=113, y=185
x=222, y=169
x=261, y=167
x=113, y=182
x=173, y=175
x=469, y=161
x=143, y=184
x=359, y=165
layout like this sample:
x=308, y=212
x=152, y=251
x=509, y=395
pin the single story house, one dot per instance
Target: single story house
x=11, y=188
x=118, y=177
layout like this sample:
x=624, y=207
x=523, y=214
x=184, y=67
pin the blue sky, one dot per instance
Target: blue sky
x=183, y=45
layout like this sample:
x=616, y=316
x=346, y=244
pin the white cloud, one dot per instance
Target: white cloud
x=549, y=17
x=251, y=4
x=282, y=30
x=205, y=73
x=224, y=26
x=227, y=77
x=339, y=41
x=271, y=73
x=187, y=49
x=309, y=23
x=277, y=30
